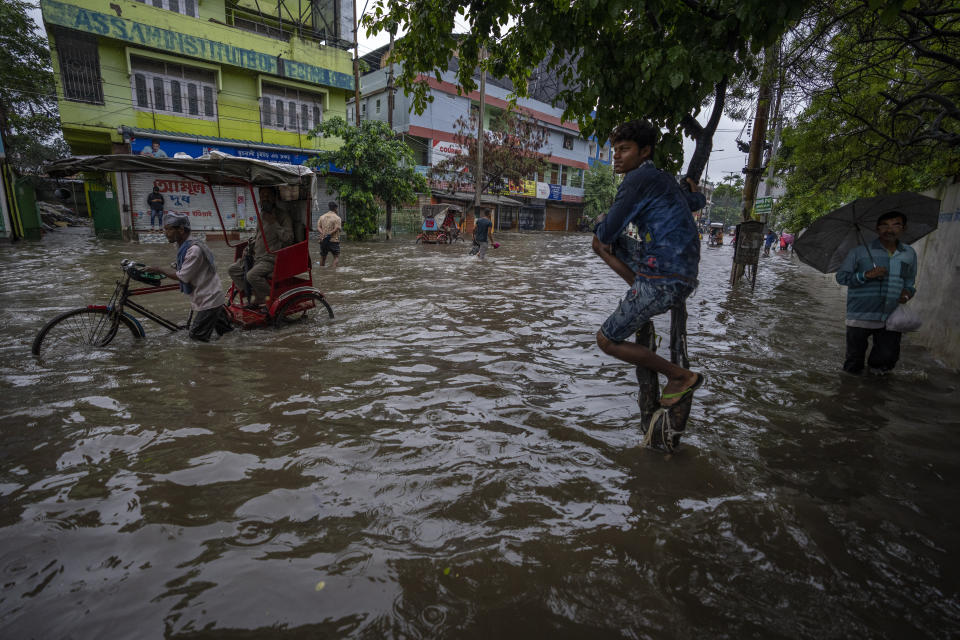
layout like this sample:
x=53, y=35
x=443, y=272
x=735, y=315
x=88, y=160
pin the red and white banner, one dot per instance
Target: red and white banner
x=443, y=150
x=193, y=199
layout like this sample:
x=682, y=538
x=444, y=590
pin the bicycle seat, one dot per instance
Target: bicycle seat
x=135, y=271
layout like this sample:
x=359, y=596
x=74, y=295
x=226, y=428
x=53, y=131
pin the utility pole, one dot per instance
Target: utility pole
x=356, y=65
x=390, y=123
x=778, y=127
x=480, y=136
x=755, y=159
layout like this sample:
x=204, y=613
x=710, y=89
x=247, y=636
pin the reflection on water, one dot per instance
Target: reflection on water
x=452, y=456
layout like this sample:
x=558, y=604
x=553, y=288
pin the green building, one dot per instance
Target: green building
x=161, y=77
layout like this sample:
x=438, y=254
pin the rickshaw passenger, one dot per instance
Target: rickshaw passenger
x=197, y=273
x=256, y=265
x=448, y=222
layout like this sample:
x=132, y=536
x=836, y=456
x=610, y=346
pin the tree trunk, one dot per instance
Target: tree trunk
x=704, y=134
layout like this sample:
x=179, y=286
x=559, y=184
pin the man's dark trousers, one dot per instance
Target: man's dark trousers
x=883, y=356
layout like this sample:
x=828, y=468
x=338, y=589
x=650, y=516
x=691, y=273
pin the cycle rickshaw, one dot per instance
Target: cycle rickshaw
x=715, y=235
x=439, y=224
x=292, y=294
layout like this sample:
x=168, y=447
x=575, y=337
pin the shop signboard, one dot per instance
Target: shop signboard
x=763, y=205
x=191, y=198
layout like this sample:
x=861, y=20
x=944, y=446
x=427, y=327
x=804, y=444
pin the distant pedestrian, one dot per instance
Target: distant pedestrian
x=768, y=241
x=878, y=278
x=155, y=202
x=482, y=235
x=329, y=226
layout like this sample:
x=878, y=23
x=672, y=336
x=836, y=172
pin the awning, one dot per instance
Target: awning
x=464, y=196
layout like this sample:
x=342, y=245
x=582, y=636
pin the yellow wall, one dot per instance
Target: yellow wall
x=89, y=128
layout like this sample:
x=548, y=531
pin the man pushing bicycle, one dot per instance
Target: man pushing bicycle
x=197, y=273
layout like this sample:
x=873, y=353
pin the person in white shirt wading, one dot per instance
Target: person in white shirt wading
x=329, y=226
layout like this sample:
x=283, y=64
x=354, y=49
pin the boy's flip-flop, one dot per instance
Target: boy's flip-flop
x=679, y=394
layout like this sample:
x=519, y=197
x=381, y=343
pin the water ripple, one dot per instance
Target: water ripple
x=452, y=456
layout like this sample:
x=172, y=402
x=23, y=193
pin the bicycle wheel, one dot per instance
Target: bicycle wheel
x=302, y=307
x=81, y=329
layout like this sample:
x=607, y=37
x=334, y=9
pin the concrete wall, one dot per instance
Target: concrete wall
x=938, y=281
x=441, y=116
x=240, y=59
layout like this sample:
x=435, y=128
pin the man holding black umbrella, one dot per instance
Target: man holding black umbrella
x=879, y=276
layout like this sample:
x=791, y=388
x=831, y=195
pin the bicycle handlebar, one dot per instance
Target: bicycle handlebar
x=135, y=271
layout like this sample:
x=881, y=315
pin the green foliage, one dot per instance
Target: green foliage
x=884, y=115
x=511, y=153
x=658, y=60
x=29, y=119
x=726, y=201
x=599, y=190
x=380, y=166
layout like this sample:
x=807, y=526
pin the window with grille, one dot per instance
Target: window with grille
x=184, y=7
x=175, y=89
x=289, y=109
x=568, y=142
x=79, y=67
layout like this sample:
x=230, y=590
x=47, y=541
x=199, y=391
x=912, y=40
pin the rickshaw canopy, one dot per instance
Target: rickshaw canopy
x=438, y=210
x=216, y=168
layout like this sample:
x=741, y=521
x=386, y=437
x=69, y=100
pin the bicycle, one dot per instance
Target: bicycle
x=96, y=326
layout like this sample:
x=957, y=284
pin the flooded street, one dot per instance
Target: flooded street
x=453, y=457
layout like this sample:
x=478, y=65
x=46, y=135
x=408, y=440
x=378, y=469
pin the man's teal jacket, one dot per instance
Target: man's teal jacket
x=876, y=298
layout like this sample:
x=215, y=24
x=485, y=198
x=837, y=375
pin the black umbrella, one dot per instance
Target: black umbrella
x=827, y=241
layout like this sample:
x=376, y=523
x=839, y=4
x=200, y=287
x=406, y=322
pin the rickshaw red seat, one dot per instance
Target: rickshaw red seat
x=291, y=262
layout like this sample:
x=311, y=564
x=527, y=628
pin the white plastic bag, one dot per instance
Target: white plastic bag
x=903, y=319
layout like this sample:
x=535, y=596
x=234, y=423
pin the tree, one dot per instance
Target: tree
x=883, y=104
x=29, y=119
x=511, y=153
x=658, y=60
x=725, y=201
x=379, y=166
x=599, y=190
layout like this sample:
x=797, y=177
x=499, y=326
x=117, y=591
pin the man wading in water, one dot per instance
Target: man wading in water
x=196, y=271
x=650, y=219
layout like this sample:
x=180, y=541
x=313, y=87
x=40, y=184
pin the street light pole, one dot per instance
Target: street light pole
x=390, y=123
x=706, y=181
x=706, y=169
x=356, y=65
x=480, y=138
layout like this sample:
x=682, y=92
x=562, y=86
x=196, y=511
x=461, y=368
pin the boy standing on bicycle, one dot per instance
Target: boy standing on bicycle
x=651, y=215
x=197, y=274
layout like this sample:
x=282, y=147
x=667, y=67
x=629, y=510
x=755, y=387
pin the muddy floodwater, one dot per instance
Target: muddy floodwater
x=452, y=457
